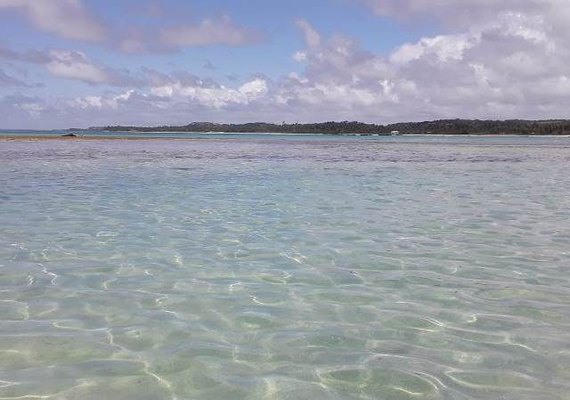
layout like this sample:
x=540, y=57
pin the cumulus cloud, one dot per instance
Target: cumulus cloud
x=101, y=102
x=65, y=18
x=510, y=61
x=75, y=65
x=213, y=95
x=174, y=98
x=444, y=48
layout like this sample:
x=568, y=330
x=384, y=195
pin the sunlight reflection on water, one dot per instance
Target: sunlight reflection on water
x=271, y=268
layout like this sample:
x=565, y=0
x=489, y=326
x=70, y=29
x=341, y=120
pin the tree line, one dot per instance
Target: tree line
x=442, y=127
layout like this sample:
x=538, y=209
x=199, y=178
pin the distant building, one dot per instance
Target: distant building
x=395, y=133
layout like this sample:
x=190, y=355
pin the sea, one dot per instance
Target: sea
x=215, y=266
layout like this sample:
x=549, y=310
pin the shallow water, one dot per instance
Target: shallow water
x=275, y=268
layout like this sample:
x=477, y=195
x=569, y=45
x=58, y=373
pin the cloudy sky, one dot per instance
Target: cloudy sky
x=79, y=63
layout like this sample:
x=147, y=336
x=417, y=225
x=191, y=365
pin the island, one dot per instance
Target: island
x=439, y=127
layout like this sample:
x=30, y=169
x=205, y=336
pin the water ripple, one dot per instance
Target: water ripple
x=242, y=269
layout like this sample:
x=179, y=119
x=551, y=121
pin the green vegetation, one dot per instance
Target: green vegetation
x=450, y=127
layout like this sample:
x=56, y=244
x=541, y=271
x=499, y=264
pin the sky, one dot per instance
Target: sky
x=81, y=63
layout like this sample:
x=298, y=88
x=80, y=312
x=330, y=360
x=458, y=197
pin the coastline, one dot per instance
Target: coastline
x=213, y=136
x=39, y=138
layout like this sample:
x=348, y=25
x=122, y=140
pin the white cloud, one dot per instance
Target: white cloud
x=502, y=64
x=212, y=95
x=208, y=32
x=66, y=18
x=510, y=61
x=101, y=102
x=72, y=64
x=444, y=47
x=312, y=37
x=71, y=19
x=300, y=56
x=75, y=65
x=254, y=89
x=18, y=107
x=458, y=11
x=33, y=109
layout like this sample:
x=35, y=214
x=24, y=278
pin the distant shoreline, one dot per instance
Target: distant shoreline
x=140, y=136
x=446, y=127
x=438, y=127
x=80, y=138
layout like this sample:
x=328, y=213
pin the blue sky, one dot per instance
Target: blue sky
x=85, y=62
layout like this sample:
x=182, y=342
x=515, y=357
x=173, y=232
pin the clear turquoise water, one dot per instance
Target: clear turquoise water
x=285, y=268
